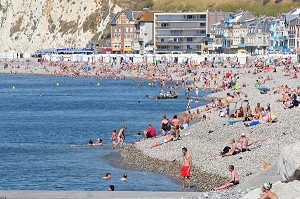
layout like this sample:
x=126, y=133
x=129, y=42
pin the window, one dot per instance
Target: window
x=162, y=40
x=189, y=39
x=190, y=16
x=164, y=24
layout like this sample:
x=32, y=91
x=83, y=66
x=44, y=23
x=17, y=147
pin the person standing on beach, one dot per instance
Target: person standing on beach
x=185, y=121
x=121, y=137
x=186, y=168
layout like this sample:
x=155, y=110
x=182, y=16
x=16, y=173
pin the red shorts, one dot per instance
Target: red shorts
x=185, y=171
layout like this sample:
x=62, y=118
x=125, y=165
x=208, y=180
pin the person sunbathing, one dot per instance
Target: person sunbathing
x=292, y=103
x=263, y=117
x=169, y=138
x=245, y=143
x=240, y=113
x=234, y=149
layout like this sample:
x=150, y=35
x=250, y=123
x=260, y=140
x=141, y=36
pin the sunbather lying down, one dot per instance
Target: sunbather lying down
x=169, y=138
x=235, y=148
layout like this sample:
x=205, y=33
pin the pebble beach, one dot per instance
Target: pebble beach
x=206, y=139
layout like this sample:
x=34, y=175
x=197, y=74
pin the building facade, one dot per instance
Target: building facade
x=183, y=32
x=123, y=32
x=144, y=31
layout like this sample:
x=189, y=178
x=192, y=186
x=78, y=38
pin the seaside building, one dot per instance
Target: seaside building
x=132, y=32
x=144, y=31
x=256, y=38
x=277, y=43
x=230, y=32
x=184, y=31
x=123, y=32
x=291, y=33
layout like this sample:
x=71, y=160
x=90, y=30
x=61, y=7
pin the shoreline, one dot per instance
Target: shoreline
x=133, y=158
x=205, y=139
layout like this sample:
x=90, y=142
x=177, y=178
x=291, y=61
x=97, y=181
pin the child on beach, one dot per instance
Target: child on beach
x=114, y=137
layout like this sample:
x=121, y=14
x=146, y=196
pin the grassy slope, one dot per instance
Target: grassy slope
x=260, y=7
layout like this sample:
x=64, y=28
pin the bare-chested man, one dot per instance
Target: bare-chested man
x=185, y=121
x=186, y=167
x=268, y=194
x=235, y=179
x=121, y=137
x=234, y=149
x=245, y=142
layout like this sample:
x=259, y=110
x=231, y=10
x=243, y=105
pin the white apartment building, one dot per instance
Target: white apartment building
x=183, y=32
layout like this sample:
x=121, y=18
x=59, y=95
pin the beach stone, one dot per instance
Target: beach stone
x=289, y=162
x=289, y=190
x=256, y=193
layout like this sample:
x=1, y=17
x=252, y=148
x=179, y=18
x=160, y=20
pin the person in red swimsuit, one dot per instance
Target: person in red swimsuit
x=186, y=168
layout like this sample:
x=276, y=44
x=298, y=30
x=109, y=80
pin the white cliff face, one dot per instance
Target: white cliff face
x=28, y=25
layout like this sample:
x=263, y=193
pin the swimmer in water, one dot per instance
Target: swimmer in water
x=124, y=178
x=107, y=176
x=98, y=142
x=90, y=143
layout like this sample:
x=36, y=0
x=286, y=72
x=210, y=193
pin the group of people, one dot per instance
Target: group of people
x=108, y=177
x=242, y=145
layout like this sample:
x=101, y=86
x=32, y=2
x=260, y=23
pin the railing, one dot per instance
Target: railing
x=179, y=20
x=177, y=42
x=181, y=35
x=178, y=50
x=180, y=27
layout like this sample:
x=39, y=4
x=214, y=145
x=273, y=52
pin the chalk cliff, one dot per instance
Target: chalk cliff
x=28, y=25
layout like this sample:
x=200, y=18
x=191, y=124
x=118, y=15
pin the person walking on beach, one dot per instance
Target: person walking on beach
x=186, y=168
x=235, y=179
x=268, y=194
x=121, y=137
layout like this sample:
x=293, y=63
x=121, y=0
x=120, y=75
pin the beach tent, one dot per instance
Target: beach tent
x=137, y=58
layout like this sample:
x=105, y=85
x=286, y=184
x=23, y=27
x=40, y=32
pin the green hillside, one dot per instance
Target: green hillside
x=260, y=7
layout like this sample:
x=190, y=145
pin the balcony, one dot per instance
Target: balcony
x=181, y=35
x=116, y=41
x=178, y=19
x=181, y=28
x=291, y=32
x=128, y=49
x=116, y=49
x=140, y=39
x=178, y=50
x=177, y=42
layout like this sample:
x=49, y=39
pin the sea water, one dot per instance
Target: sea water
x=42, y=117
